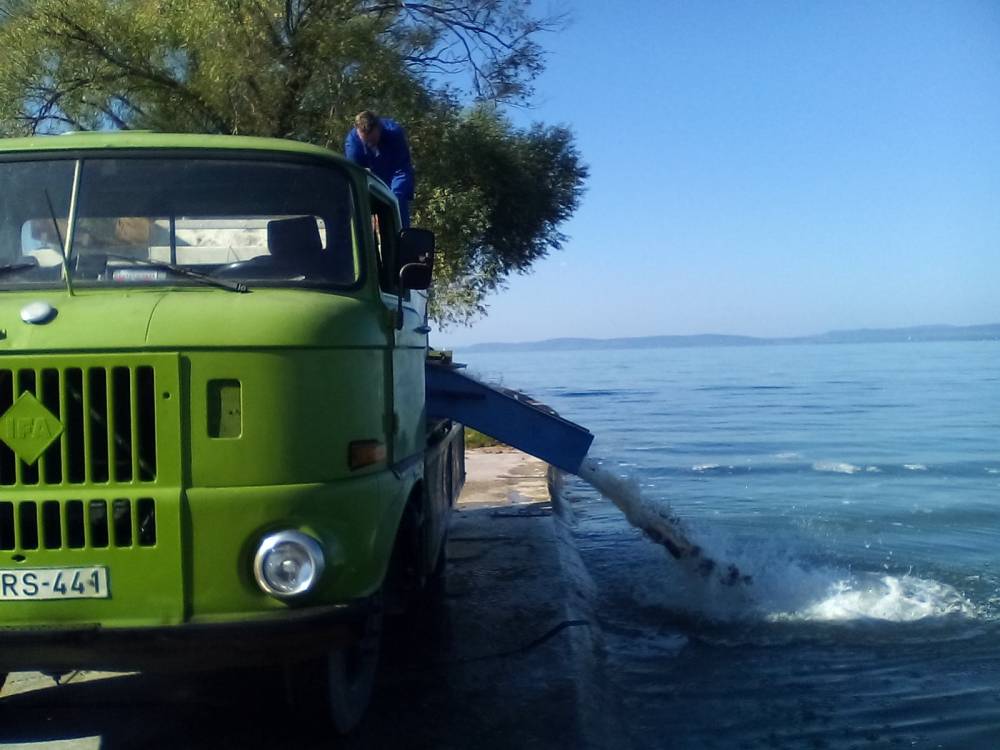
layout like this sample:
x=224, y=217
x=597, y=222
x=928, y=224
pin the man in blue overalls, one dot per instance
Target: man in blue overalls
x=379, y=144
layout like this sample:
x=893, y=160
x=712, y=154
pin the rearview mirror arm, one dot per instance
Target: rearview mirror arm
x=422, y=284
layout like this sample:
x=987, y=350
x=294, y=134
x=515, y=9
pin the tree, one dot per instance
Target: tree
x=495, y=195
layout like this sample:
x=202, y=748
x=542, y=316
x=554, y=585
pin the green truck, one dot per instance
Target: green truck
x=214, y=446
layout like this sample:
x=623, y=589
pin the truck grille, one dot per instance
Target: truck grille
x=108, y=416
x=77, y=524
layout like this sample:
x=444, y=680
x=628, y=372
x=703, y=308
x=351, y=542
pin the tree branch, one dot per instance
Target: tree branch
x=80, y=35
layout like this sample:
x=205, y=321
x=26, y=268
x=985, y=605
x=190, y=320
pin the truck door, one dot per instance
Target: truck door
x=408, y=344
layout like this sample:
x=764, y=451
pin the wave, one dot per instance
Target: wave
x=837, y=467
x=747, y=388
x=761, y=466
x=590, y=394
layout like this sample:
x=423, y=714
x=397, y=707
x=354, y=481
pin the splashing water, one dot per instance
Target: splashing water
x=888, y=598
x=788, y=588
x=783, y=588
x=657, y=522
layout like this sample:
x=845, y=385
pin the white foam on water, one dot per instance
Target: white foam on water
x=837, y=467
x=915, y=467
x=885, y=597
x=704, y=467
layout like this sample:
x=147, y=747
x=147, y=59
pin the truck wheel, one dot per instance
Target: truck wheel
x=352, y=677
x=337, y=689
x=434, y=586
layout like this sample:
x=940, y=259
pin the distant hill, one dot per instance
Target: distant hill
x=989, y=332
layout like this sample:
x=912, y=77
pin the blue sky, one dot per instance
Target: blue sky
x=769, y=168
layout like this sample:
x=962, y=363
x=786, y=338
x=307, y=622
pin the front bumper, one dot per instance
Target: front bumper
x=275, y=638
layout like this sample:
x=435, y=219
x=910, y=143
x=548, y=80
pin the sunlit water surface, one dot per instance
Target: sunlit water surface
x=859, y=486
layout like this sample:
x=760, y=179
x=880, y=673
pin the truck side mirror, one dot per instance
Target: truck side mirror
x=416, y=246
x=416, y=263
x=415, y=276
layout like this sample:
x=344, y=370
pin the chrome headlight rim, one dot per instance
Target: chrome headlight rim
x=267, y=545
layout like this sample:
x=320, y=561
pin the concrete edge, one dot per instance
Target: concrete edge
x=599, y=723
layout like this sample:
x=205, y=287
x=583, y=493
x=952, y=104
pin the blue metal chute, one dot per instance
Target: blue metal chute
x=507, y=416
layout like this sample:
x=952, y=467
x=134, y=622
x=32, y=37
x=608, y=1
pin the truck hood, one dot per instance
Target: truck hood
x=190, y=318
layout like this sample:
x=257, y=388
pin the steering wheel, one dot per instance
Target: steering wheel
x=251, y=266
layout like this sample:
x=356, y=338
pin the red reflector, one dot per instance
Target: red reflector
x=363, y=453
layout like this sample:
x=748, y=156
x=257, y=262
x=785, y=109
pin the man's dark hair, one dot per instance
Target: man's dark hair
x=366, y=121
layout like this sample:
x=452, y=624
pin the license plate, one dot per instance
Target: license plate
x=54, y=583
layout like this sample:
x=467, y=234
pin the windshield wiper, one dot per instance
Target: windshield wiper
x=70, y=224
x=21, y=265
x=233, y=286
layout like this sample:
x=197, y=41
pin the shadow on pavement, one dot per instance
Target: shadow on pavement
x=238, y=708
x=484, y=663
x=220, y=710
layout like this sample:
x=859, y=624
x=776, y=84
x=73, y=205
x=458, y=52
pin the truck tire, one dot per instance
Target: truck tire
x=435, y=584
x=352, y=676
x=335, y=690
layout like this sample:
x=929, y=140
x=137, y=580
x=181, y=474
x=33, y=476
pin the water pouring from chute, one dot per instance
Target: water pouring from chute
x=516, y=419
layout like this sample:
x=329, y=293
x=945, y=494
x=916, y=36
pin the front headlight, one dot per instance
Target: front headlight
x=288, y=563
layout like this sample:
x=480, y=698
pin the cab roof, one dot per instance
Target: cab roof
x=99, y=140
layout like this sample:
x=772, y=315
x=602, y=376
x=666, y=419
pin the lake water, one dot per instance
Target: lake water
x=859, y=486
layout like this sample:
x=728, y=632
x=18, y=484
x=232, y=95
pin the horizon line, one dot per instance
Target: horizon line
x=746, y=337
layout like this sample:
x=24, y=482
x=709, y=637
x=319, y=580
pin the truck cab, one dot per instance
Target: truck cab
x=214, y=447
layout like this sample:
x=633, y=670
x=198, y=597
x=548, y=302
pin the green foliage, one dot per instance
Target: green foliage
x=475, y=439
x=495, y=195
x=496, y=199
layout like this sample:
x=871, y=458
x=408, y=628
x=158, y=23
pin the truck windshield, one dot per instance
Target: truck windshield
x=234, y=220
